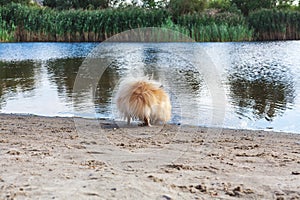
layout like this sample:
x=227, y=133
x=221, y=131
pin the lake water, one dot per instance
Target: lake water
x=235, y=85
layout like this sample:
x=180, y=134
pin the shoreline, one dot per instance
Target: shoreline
x=108, y=120
x=59, y=158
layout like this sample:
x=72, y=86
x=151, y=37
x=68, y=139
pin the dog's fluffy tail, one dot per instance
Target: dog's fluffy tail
x=143, y=99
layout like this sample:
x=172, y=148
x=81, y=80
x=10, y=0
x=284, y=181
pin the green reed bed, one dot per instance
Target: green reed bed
x=221, y=33
x=275, y=24
x=44, y=24
x=33, y=23
x=221, y=27
x=6, y=31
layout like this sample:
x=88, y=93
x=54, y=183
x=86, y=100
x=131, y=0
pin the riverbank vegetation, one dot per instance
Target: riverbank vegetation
x=97, y=20
x=275, y=24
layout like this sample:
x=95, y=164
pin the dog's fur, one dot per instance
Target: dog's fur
x=143, y=99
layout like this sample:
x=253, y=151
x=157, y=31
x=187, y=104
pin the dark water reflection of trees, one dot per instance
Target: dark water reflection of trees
x=18, y=77
x=63, y=73
x=105, y=87
x=15, y=77
x=266, y=92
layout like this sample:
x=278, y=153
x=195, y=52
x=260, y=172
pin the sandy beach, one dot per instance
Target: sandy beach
x=66, y=158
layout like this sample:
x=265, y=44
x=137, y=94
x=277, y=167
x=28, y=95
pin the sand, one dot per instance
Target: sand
x=66, y=158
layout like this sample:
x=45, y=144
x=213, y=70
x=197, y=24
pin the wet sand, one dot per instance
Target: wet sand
x=66, y=158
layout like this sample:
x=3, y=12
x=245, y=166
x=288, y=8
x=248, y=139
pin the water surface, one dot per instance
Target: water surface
x=260, y=81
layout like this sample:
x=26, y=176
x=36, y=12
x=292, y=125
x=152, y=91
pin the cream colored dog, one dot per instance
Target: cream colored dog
x=143, y=99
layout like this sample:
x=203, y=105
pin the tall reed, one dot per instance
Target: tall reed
x=44, y=24
x=29, y=23
x=6, y=31
x=221, y=27
x=272, y=24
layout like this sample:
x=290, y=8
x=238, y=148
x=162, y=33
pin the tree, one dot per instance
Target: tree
x=154, y=3
x=247, y=6
x=149, y=3
x=76, y=4
x=220, y=4
x=4, y=2
x=285, y=4
x=180, y=7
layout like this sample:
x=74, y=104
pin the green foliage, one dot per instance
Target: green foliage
x=206, y=19
x=247, y=6
x=5, y=2
x=6, y=35
x=215, y=28
x=31, y=23
x=222, y=5
x=169, y=24
x=45, y=24
x=286, y=4
x=180, y=7
x=6, y=30
x=149, y=4
x=221, y=33
x=271, y=24
x=76, y=4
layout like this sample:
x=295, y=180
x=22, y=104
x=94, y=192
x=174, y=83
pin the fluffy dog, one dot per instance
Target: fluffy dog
x=143, y=99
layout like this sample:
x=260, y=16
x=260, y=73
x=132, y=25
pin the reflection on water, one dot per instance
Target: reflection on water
x=264, y=99
x=16, y=77
x=261, y=80
x=104, y=89
x=36, y=78
x=265, y=90
x=62, y=72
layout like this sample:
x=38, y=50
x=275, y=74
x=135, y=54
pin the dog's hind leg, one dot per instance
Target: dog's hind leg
x=128, y=120
x=147, y=121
